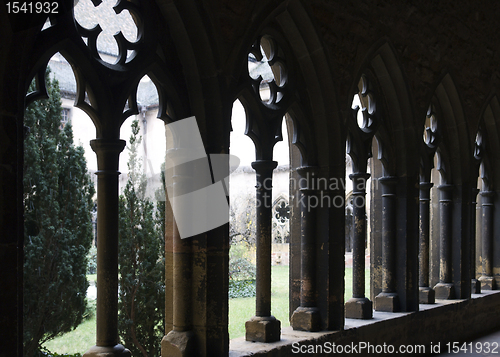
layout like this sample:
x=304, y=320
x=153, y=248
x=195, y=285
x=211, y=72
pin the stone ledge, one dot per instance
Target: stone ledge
x=439, y=322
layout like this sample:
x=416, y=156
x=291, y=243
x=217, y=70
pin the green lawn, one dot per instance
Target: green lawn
x=240, y=310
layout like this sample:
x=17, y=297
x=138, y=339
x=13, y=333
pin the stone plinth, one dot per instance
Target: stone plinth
x=263, y=329
x=388, y=302
x=444, y=291
x=306, y=319
x=487, y=283
x=178, y=344
x=358, y=308
x=426, y=295
x=107, y=351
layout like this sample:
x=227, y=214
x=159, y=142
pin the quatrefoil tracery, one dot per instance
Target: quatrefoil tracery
x=364, y=107
x=479, y=145
x=267, y=71
x=98, y=22
x=430, y=135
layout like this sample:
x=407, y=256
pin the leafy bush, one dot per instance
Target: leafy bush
x=242, y=273
x=43, y=352
x=241, y=269
x=241, y=288
x=90, y=310
x=92, y=260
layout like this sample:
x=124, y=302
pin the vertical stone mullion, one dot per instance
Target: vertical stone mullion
x=358, y=306
x=487, y=280
x=444, y=289
x=180, y=341
x=263, y=327
x=426, y=294
x=306, y=317
x=388, y=299
x=475, y=284
x=108, y=152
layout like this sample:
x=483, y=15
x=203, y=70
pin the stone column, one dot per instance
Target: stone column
x=426, y=294
x=487, y=279
x=108, y=152
x=444, y=289
x=263, y=327
x=358, y=306
x=180, y=341
x=306, y=317
x=388, y=299
x=475, y=284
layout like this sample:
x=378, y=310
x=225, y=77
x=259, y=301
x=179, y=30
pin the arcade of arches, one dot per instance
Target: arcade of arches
x=426, y=79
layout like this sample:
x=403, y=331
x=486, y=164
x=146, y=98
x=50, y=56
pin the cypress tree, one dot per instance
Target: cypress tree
x=141, y=261
x=58, y=224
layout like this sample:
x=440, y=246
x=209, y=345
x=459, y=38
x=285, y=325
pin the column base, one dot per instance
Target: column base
x=487, y=283
x=306, y=319
x=263, y=329
x=426, y=295
x=475, y=286
x=107, y=351
x=178, y=344
x=444, y=291
x=358, y=308
x=388, y=302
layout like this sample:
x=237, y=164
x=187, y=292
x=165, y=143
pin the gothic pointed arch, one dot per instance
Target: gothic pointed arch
x=489, y=124
x=455, y=136
x=395, y=107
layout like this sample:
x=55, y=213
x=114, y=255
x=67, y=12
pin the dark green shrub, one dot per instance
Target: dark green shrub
x=241, y=288
x=242, y=273
x=44, y=352
x=58, y=224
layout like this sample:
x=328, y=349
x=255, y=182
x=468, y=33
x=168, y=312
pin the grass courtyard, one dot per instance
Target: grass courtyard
x=240, y=310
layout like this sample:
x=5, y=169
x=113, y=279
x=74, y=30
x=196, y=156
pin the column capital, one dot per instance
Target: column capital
x=445, y=187
x=107, y=145
x=359, y=180
x=264, y=165
x=359, y=175
x=388, y=185
x=487, y=193
x=108, y=153
x=425, y=191
x=388, y=180
x=446, y=191
x=423, y=186
x=304, y=170
x=487, y=198
x=306, y=180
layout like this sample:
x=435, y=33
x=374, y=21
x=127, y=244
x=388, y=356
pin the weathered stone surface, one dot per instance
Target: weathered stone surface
x=487, y=283
x=306, y=319
x=444, y=291
x=263, y=329
x=178, y=344
x=388, y=302
x=426, y=295
x=358, y=308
